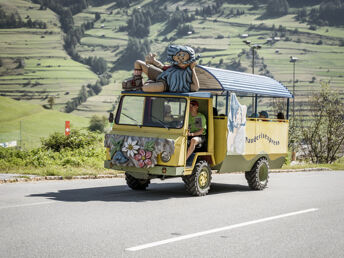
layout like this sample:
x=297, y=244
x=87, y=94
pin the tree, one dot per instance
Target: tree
x=97, y=16
x=51, y=101
x=83, y=94
x=276, y=8
x=322, y=138
x=97, y=123
x=184, y=30
x=20, y=63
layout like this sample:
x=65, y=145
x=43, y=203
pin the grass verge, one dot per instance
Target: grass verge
x=64, y=172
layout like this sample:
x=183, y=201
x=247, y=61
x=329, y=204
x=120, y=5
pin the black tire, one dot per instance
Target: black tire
x=258, y=177
x=135, y=183
x=198, y=183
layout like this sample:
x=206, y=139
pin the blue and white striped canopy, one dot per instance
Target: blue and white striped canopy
x=219, y=80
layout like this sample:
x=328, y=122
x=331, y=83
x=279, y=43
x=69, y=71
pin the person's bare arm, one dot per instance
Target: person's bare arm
x=150, y=59
x=195, y=82
x=198, y=133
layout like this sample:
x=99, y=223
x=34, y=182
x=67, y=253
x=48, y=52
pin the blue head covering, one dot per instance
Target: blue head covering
x=178, y=79
x=172, y=50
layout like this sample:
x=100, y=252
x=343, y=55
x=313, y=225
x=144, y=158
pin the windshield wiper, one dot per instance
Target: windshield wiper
x=161, y=122
x=133, y=119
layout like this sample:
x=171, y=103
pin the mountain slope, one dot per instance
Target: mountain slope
x=34, y=64
x=30, y=122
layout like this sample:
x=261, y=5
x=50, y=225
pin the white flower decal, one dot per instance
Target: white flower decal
x=130, y=147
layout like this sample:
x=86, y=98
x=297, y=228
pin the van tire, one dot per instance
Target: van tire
x=135, y=183
x=258, y=177
x=198, y=183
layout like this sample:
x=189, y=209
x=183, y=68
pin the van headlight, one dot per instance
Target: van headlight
x=165, y=156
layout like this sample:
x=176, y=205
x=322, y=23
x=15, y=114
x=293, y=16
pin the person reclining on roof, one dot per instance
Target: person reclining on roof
x=179, y=77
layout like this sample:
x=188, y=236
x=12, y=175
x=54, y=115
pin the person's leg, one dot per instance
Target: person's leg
x=154, y=87
x=136, y=82
x=194, y=141
x=139, y=67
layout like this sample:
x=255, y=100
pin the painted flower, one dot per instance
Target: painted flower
x=130, y=147
x=119, y=158
x=143, y=158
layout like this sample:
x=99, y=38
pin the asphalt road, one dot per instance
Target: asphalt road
x=298, y=215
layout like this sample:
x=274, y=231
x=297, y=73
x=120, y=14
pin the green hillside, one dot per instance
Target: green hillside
x=219, y=39
x=29, y=122
x=34, y=65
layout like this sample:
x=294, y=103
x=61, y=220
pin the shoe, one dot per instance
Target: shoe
x=134, y=83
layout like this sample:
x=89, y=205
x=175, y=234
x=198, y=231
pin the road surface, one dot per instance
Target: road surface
x=298, y=215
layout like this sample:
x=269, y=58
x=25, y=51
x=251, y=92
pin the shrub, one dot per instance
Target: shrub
x=97, y=124
x=80, y=149
x=185, y=29
x=76, y=140
x=322, y=139
x=313, y=27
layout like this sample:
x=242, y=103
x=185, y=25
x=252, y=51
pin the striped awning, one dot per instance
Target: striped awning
x=218, y=81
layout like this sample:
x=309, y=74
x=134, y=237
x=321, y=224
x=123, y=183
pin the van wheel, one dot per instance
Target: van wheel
x=135, y=183
x=258, y=177
x=198, y=183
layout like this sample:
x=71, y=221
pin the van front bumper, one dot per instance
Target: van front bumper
x=156, y=170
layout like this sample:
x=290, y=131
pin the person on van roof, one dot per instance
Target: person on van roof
x=197, y=127
x=180, y=76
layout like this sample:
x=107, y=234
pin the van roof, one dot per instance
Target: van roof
x=214, y=81
x=197, y=94
x=218, y=81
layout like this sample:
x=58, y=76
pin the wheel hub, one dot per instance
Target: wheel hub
x=203, y=179
x=263, y=173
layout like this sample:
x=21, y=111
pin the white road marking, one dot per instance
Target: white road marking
x=202, y=233
x=25, y=205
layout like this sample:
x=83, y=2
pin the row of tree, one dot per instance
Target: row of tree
x=14, y=20
x=138, y=24
x=209, y=10
x=75, y=6
x=136, y=49
x=87, y=91
x=328, y=13
x=66, y=9
x=97, y=64
x=293, y=3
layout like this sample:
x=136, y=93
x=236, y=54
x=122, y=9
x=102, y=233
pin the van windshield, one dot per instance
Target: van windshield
x=164, y=112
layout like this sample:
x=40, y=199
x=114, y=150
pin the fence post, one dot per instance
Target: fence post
x=20, y=136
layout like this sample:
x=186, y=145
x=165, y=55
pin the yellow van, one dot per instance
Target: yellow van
x=149, y=138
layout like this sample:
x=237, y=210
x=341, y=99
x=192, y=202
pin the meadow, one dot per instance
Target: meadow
x=27, y=123
x=46, y=70
x=219, y=37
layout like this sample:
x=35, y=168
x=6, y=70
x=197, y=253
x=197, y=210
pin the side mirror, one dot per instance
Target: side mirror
x=111, y=117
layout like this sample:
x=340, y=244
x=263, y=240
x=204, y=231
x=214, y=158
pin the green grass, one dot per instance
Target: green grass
x=65, y=172
x=48, y=70
x=334, y=166
x=30, y=122
x=324, y=62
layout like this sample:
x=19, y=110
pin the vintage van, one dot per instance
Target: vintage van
x=146, y=142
